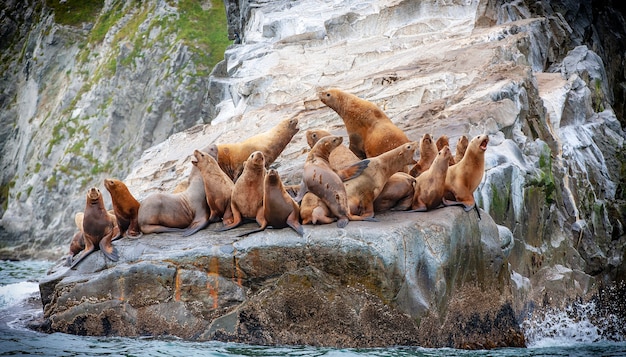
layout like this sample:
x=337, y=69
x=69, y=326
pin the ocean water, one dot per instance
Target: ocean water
x=554, y=334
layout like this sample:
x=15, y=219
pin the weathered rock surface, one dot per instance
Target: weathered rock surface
x=366, y=285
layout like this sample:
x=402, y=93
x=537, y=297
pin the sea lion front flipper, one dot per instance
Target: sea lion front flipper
x=353, y=170
x=294, y=223
x=301, y=192
x=108, y=249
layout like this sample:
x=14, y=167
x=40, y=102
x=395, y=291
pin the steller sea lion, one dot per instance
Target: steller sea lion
x=125, y=208
x=440, y=143
x=321, y=180
x=271, y=143
x=279, y=207
x=370, y=130
x=98, y=228
x=464, y=177
x=185, y=211
x=428, y=152
x=246, y=200
x=218, y=187
x=363, y=190
x=397, y=195
x=461, y=146
x=429, y=186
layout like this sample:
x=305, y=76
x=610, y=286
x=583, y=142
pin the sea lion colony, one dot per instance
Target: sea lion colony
x=233, y=183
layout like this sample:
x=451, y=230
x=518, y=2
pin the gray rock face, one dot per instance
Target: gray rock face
x=365, y=285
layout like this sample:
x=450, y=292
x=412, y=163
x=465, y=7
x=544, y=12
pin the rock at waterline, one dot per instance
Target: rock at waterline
x=405, y=280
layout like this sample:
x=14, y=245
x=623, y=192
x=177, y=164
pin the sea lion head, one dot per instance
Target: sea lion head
x=313, y=136
x=201, y=158
x=291, y=123
x=427, y=139
x=445, y=153
x=93, y=195
x=408, y=152
x=330, y=97
x=442, y=141
x=272, y=177
x=256, y=158
x=480, y=141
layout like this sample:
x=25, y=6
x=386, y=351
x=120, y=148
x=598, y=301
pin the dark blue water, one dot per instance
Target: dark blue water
x=19, y=303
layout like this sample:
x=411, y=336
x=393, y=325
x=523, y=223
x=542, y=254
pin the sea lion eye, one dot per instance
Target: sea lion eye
x=328, y=94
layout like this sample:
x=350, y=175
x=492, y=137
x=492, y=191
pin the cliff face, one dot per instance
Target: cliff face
x=83, y=98
x=534, y=76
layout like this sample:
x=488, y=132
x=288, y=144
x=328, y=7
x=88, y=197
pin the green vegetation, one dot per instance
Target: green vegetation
x=204, y=31
x=545, y=181
x=75, y=12
x=597, y=96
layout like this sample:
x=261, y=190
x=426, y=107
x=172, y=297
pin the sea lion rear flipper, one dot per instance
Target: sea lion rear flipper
x=195, y=226
x=353, y=170
x=82, y=255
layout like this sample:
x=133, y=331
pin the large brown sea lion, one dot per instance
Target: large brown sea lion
x=320, y=179
x=246, y=200
x=461, y=146
x=430, y=185
x=218, y=187
x=125, y=207
x=428, y=152
x=98, y=228
x=370, y=131
x=185, y=211
x=271, y=143
x=279, y=207
x=363, y=190
x=464, y=177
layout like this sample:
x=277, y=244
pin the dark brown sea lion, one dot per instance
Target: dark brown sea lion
x=98, y=228
x=461, y=146
x=246, y=200
x=218, y=187
x=464, y=177
x=271, y=143
x=185, y=211
x=125, y=207
x=279, y=207
x=428, y=152
x=370, y=130
x=430, y=185
x=363, y=190
x=320, y=179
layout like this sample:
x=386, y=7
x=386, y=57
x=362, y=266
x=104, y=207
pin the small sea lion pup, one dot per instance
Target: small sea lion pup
x=279, y=207
x=430, y=185
x=246, y=201
x=320, y=179
x=428, y=152
x=218, y=187
x=271, y=143
x=363, y=190
x=185, y=211
x=314, y=211
x=98, y=228
x=125, y=207
x=464, y=177
x=370, y=130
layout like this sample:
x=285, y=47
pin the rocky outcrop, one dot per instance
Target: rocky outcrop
x=552, y=195
x=366, y=285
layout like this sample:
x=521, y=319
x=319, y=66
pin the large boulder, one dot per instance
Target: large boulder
x=391, y=282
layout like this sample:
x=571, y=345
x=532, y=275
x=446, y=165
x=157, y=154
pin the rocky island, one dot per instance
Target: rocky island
x=543, y=80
